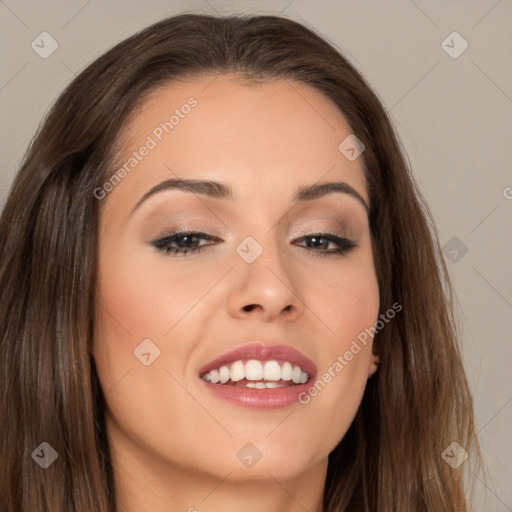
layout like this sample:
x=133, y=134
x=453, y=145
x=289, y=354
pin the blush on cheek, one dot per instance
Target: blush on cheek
x=127, y=300
x=353, y=312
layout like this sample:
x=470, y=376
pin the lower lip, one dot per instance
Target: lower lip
x=266, y=398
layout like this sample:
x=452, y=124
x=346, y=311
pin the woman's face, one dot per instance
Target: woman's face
x=264, y=276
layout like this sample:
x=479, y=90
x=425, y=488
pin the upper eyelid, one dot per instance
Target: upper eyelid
x=342, y=226
x=345, y=216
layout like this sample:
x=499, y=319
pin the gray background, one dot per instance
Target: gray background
x=453, y=115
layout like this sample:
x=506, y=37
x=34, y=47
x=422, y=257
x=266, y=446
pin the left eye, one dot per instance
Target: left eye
x=344, y=244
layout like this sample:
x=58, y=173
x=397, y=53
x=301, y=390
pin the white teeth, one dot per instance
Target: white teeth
x=253, y=370
x=237, y=371
x=262, y=385
x=257, y=371
x=224, y=374
x=286, y=371
x=273, y=385
x=271, y=370
x=296, y=374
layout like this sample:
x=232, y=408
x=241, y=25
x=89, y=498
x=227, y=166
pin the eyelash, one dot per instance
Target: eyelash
x=345, y=245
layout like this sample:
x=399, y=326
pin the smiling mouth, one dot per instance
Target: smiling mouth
x=257, y=374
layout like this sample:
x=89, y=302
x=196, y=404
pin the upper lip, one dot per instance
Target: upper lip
x=262, y=352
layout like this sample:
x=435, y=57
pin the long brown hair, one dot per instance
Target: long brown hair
x=413, y=408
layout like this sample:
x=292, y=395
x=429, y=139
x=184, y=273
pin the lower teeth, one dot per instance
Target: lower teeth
x=262, y=385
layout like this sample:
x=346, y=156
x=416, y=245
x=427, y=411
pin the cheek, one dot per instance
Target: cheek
x=147, y=300
x=349, y=313
x=135, y=304
x=348, y=308
x=138, y=300
x=345, y=297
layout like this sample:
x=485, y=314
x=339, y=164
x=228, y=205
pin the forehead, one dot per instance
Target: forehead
x=223, y=128
x=229, y=103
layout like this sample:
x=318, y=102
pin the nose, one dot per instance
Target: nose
x=265, y=288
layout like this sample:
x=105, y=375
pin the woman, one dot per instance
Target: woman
x=170, y=339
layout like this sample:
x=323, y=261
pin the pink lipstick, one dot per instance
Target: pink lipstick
x=260, y=376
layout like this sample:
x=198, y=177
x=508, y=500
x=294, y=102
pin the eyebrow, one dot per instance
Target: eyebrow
x=219, y=190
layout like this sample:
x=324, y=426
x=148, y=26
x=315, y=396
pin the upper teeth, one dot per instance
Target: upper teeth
x=257, y=370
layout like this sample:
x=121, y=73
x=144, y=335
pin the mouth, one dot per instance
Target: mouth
x=259, y=376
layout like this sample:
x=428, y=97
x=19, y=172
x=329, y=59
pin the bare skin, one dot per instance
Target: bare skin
x=174, y=444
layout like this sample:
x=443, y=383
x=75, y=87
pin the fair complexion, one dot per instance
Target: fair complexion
x=174, y=444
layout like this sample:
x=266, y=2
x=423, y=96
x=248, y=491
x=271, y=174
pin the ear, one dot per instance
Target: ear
x=373, y=364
